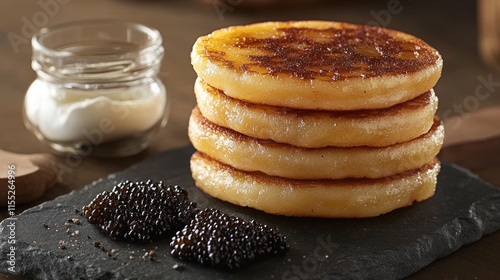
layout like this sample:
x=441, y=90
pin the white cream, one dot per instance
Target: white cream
x=72, y=115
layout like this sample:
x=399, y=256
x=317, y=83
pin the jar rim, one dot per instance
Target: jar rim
x=97, y=52
x=154, y=35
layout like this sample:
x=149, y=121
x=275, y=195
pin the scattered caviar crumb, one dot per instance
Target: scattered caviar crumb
x=62, y=244
x=178, y=267
x=99, y=245
x=67, y=225
x=113, y=254
x=220, y=240
x=75, y=221
x=151, y=255
x=46, y=226
x=140, y=211
x=78, y=212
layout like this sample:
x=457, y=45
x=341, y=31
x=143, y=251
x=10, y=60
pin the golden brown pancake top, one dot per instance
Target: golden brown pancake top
x=329, y=54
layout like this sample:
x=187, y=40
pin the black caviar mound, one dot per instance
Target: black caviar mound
x=141, y=211
x=220, y=240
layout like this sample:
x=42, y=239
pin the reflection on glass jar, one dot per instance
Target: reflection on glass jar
x=97, y=91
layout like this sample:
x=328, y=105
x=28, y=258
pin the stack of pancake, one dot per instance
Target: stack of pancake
x=315, y=118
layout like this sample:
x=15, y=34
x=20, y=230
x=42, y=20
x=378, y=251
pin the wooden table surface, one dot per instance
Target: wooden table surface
x=451, y=29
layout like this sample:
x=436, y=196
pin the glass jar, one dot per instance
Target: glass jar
x=97, y=90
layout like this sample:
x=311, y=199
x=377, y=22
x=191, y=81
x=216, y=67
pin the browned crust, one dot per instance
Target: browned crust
x=264, y=179
x=330, y=54
x=207, y=125
x=414, y=104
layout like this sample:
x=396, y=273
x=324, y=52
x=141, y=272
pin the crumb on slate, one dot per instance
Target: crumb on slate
x=62, y=244
x=178, y=267
x=150, y=255
x=75, y=221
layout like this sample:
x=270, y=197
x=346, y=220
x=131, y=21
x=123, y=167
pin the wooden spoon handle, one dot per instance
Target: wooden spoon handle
x=30, y=176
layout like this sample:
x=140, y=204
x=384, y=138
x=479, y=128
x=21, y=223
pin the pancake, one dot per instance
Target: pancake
x=316, y=65
x=283, y=160
x=344, y=198
x=315, y=129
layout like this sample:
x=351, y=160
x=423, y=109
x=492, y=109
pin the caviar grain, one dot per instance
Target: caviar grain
x=140, y=211
x=220, y=240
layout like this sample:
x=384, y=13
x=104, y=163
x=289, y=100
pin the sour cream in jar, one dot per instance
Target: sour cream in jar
x=97, y=90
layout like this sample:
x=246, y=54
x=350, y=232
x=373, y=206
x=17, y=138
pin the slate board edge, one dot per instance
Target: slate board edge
x=416, y=259
x=75, y=270
x=489, y=222
x=72, y=269
x=403, y=267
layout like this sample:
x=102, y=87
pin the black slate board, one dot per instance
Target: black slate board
x=391, y=246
